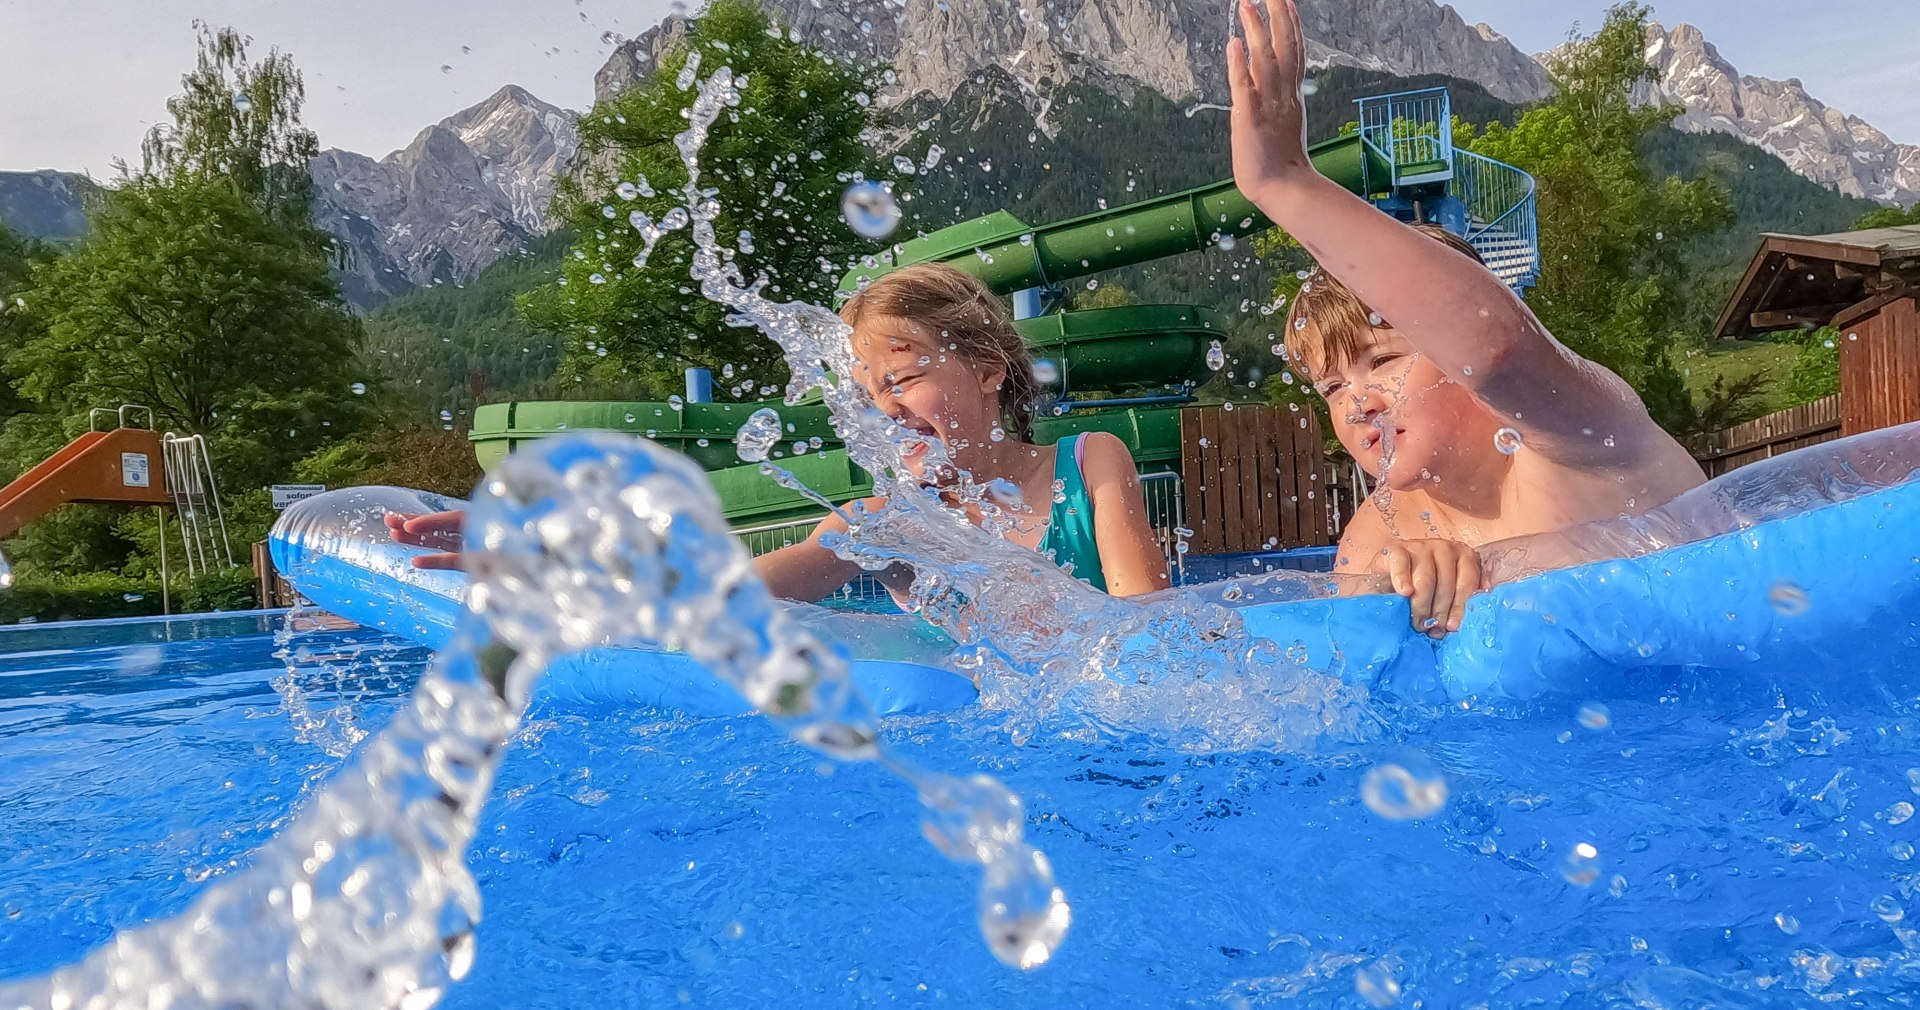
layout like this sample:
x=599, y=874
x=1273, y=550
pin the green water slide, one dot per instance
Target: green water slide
x=1011, y=255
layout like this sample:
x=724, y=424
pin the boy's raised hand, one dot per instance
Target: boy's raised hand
x=1269, y=118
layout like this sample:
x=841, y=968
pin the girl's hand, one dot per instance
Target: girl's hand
x=439, y=529
x=1436, y=577
x=1269, y=118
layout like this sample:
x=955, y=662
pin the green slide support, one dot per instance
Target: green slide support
x=1011, y=255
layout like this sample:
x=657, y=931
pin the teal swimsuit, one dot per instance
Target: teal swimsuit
x=1070, y=539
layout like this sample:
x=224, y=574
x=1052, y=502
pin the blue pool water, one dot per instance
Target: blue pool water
x=1754, y=848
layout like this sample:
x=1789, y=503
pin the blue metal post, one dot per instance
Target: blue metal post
x=699, y=385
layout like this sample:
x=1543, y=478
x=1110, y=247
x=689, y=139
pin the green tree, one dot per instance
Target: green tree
x=1888, y=217
x=1615, y=282
x=187, y=298
x=202, y=288
x=777, y=164
x=239, y=123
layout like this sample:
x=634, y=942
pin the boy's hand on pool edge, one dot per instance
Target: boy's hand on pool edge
x=1437, y=577
x=437, y=529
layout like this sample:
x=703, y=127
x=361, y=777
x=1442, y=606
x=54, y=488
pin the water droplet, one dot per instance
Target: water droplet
x=869, y=210
x=1216, y=357
x=241, y=103
x=904, y=165
x=675, y=403
x=1226, y=242
x=1046, y=372
x=1397, y=794
x=1888, y=908
x=1787, y=599
x=1787, y=923
x=1595, y=716
x=626, y=191
x=1507, y=440
x=132, y=597
x=1375, y=984
x=1581, y=867
x=756, y=438
x=1900, y=813
x=359, y=388
x=597, y=279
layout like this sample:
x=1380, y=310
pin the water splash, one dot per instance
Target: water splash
x=1040, y=643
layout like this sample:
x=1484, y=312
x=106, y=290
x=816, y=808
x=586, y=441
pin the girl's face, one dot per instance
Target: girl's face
x=1389, y=390
x=927, y=388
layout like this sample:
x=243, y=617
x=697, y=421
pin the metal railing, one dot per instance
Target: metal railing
x=1502, y=219
x=1410, y=128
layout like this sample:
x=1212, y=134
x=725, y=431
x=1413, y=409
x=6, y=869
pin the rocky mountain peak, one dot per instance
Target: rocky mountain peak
x=467, y=190
x=1174, y=48
x=1814, y=139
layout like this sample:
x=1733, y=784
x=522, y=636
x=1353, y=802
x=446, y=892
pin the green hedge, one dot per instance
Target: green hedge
x=104, y=595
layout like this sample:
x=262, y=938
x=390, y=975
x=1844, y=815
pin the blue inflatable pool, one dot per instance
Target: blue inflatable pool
x=1783, y=565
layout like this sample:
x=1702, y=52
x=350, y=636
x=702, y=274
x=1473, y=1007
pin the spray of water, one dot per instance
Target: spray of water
x=1039, y=642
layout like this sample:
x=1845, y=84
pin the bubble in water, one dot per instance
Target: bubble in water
x=1595, y=716
x=1787, y=923
x=1787, y=599
x=1216, y=357
x=1888, y=908
x=1507, y=440
x=626, y=191
x=359, y=388
x=1397, y=794
x=869, y=210
x=1045, y=372
x=1581, y=867
x=756, y=438
x=1375, y=984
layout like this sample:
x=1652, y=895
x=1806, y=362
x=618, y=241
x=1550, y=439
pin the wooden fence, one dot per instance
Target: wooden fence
x=1769, y=436
x=1254, y=478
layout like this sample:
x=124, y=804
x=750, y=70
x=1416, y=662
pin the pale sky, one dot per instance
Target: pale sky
x=1858, y=56
x=81, y=80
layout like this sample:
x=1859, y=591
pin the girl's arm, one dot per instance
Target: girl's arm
x=1454, y=311
x=1129, y=554
x=807, y=571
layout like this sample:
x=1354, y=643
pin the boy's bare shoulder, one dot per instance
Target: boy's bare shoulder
x=1365, y=536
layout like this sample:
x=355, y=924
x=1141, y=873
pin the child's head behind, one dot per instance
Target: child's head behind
x=1370, y=375
x=940, y=355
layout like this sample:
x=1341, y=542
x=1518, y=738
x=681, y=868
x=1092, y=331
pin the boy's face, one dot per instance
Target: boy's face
x=1393, y=408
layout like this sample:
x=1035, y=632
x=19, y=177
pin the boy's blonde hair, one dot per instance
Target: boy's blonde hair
x=1328, y=325
x=966, y=319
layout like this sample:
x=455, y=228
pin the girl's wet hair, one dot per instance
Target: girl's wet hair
x=1328, y=325
x=967, y=320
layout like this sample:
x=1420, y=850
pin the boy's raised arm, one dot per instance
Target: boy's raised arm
x=1453, y=310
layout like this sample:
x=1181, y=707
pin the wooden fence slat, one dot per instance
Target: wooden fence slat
x=1245, y=469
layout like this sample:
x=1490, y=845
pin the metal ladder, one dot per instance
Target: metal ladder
x=196, y=502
